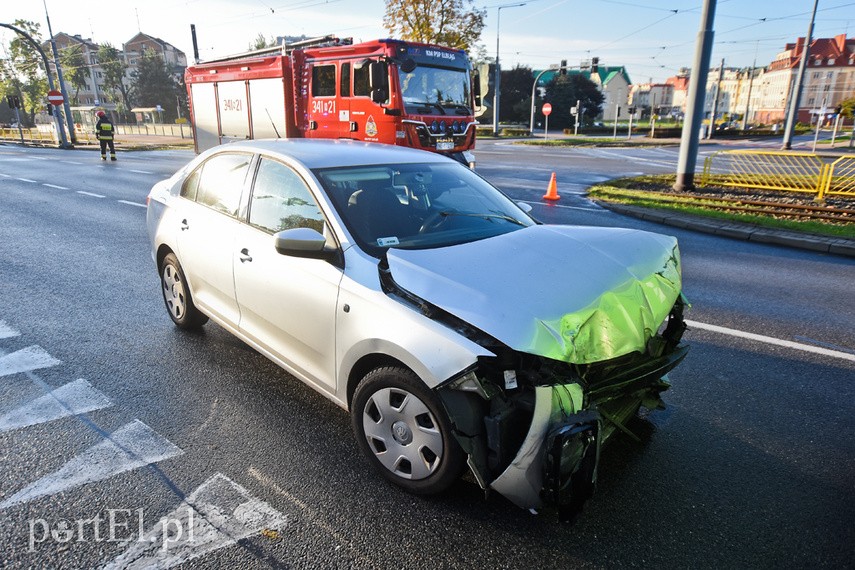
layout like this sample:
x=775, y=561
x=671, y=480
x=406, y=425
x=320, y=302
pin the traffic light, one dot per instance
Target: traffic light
x=595, y=65
x=13, y=101
x=838, y=109
x=563, y=69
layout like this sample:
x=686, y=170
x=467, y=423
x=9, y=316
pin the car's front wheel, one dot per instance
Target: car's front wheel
x=402, y=429
x=176, y=295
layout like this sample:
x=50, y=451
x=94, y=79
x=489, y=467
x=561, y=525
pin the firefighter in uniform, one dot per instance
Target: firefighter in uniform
x=104, y=132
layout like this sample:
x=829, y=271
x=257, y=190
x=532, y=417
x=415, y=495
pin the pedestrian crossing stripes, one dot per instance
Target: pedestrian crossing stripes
x=131, y=446
x=217, y=514
x=74, y=398
x=27, y=359
x=6, y=331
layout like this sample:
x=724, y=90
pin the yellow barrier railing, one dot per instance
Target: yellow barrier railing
x=786, y=171
x=840, y=178
x=31, y=135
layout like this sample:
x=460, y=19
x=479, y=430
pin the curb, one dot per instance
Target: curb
x=736, y=230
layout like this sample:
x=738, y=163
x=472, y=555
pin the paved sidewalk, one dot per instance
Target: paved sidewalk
x=737, y=230
x=139, y=142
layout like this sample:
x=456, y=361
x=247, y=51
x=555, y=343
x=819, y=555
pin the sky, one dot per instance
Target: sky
x=653, y=39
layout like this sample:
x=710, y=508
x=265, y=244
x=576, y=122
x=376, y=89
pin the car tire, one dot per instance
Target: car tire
x=404, y=431
x=177, y=297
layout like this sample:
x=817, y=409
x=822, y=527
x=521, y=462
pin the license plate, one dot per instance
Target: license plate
x=444, y=145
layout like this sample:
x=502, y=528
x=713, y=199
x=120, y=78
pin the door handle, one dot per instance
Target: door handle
x=184, y=225
x=244, y=255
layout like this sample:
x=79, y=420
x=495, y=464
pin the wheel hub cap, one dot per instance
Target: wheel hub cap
x=402, y=433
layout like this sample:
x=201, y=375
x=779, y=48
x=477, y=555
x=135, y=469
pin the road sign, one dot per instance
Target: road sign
x=547, y=109
x=55, y=97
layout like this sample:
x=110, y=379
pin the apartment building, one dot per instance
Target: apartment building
x=765, y=92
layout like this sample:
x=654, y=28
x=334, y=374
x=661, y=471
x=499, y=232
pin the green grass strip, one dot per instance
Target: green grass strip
x=617, y=192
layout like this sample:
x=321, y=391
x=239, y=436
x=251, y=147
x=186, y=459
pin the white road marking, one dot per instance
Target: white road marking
x=5, y=175
x=771, y=340
x=216, y=515
x=90, y=194
x=130, y=447
x=141, y=171
x=55, y=186
x=30, y=358
x=25, y=180
x=133, y=204
x=39, y=158
x=70, y=162
x=74, y=398
x=6, y=331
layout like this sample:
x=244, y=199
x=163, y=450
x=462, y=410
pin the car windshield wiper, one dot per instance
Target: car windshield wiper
x=458, y=108
x=483, y=216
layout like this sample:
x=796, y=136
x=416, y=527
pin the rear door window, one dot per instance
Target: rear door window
x=323, y=81
x=222, y=180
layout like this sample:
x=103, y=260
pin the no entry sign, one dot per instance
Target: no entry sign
x=55, y=98
x=547, y=109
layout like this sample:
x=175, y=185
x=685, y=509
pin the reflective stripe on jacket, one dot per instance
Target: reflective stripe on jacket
x=104, y=130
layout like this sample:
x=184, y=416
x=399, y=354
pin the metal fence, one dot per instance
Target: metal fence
x=800, y=172
x=46, y=134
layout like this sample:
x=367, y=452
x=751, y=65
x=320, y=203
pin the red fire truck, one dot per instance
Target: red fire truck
x=387, y=91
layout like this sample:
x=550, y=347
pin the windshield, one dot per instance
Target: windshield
x=431, y=90
x=418, y=206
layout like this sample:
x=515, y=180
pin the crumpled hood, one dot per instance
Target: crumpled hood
x=577, y=294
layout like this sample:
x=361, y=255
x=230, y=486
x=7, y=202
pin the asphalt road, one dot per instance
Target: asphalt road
x=751, y=465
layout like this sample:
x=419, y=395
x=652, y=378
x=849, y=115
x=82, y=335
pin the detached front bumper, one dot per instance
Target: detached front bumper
x=557, y=463
x=534, y=432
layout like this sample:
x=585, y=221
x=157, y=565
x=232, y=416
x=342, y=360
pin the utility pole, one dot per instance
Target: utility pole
x=68, y=118
x=617, y=112
x=695, y=100
x=796, y=93
x=498, y=79
x=578, y=112
x=715, y=100
x=750, y=84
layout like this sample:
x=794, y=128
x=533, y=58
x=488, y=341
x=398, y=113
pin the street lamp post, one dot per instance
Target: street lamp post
x=498, y=70
x=534, y=91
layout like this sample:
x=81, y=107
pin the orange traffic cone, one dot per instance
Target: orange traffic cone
x=552, y=190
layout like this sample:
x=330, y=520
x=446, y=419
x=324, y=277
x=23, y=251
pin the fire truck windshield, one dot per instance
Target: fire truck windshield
x=430, y=90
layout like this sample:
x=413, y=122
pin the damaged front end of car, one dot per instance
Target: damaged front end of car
x=570, y=365
x=533, y=427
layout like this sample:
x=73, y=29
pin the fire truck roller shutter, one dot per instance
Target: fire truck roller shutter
x=234, y=111
x=205, y=116
x=267, y=100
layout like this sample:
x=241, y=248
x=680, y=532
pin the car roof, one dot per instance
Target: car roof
x=320, y=153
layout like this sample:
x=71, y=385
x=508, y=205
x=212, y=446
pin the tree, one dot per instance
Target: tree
x=154, y=84
x=847, y=107
x=74, y=69
x=452, y=23
x=114, y=68
x=563, y=92
x=23, y=73
x=516, y=90
x=260, y=42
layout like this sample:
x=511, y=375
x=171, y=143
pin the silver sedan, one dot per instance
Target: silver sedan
x=458, y=331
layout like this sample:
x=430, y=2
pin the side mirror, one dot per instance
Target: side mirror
x=304, y=242
x=379, y=77
x=476, y=89
x=525, y=207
